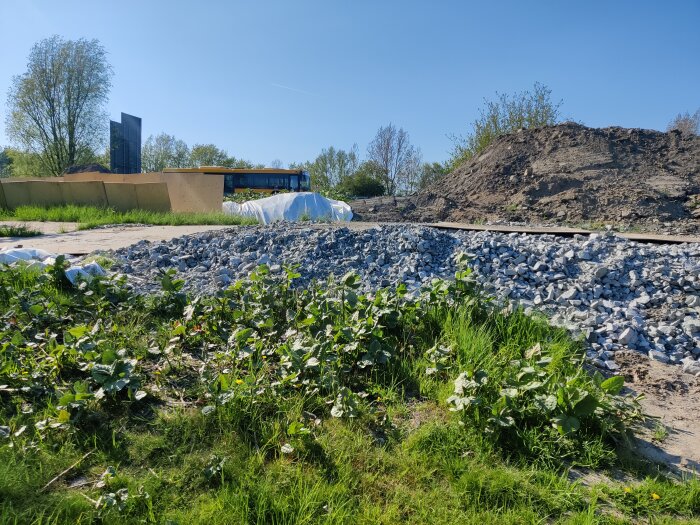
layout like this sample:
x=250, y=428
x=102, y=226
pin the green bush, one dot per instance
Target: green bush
x=362, y=184
x=506, y=114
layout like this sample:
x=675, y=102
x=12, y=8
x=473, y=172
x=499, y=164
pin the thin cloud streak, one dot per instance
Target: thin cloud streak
x=288, y=88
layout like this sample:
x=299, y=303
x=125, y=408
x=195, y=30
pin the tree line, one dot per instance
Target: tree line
x=56, y=118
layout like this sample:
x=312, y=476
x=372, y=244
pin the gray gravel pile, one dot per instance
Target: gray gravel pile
x=618, y=294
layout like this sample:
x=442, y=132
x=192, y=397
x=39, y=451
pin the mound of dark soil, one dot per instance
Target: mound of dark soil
x=86, y=168
x=566, y=173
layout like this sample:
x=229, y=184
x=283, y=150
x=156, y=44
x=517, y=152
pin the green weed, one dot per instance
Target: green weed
x=92, y=217
x=271, y=403
x=660, y=432
x=18, y=231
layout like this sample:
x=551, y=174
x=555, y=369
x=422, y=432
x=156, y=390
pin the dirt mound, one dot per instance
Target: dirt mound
x=86, y=168
x=566, y=173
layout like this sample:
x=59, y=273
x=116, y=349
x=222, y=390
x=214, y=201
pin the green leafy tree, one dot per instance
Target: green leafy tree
x=24, y=164
x=330, y=167
x=56, y=108
x=365, y=182
x=5, y=163
x=164, y=151
x=398, y=160
x=506, y=114
x=208, y=155
x=430, y=173
x=103, y=159
x=200, y=155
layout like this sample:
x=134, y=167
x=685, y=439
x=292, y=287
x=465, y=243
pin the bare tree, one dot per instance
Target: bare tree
x=398, y=159
x=686, y=123
x=56, y=108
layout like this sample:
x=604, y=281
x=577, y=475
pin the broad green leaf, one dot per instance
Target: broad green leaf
x=36, y=309
x=502, y=421
x=532, y=385
x=78, y=331
x=243, y=335
x=585, y=406
x=546, y=402
x=613, y=385
x=566, y=424
x=66, y=399
x=509, y=392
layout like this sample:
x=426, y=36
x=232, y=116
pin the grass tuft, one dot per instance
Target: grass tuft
x=17, y=231
x=90, y=217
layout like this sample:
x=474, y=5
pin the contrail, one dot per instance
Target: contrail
x=293, y=89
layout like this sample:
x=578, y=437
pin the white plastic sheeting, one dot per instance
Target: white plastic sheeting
x=41, y=258
x=291, y=207
x=14, y=255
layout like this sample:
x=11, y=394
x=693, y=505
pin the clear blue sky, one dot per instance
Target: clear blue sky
x=282, y=79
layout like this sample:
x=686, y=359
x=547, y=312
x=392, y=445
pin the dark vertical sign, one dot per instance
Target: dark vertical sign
x=125, y=145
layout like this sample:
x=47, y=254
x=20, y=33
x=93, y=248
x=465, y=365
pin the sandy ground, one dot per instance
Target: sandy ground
x=63, y=238
x=44, y=227
x=86, y=241
x=672, y=398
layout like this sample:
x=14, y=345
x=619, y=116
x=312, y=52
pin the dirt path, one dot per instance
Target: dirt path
x=111, y=238
x=43, y=227
x=86, y=241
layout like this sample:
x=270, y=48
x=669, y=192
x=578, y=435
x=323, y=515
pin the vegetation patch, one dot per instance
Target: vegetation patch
x=271, y=403
x=90, y=217
x=18, y=231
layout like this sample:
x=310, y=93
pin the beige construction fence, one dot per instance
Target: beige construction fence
x=178, y=192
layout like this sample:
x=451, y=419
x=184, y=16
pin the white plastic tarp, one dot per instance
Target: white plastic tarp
x=41, y=259
x=23, y=254
x=291, y=207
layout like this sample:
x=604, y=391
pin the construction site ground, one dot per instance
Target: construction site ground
x=669, y=395
x=65, y=238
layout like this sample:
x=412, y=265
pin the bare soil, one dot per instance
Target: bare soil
x=565, y=174
x=672, y=437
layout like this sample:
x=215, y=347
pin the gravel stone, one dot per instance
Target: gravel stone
x=615, y=293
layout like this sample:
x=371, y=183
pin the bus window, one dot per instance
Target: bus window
x=294, y=183
x=305, y=181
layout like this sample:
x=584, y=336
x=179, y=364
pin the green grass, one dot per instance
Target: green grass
x=237, y=423
x=660, y=432
x=17, y=231
x=91, y=217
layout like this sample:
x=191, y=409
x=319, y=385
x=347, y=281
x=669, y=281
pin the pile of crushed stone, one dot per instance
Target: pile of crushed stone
x=566, y=173
x=617, y=294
